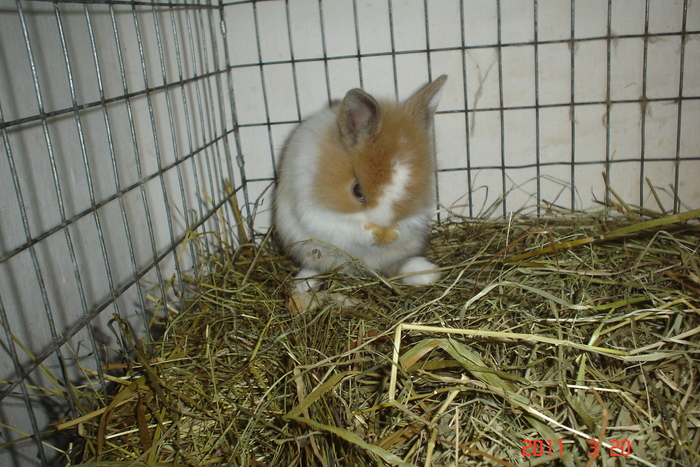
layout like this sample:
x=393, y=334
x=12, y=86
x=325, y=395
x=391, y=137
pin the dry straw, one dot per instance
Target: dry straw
x=569, y=339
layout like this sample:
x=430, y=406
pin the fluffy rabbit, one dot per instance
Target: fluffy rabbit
x=356, y=188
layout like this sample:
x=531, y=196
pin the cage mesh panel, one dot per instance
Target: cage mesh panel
x=117, y=148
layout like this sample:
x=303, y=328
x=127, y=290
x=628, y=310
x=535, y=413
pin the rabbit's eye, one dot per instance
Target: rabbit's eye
x=357, y=192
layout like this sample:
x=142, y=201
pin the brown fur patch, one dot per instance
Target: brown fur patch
x=410, y=146
x=383, y=235
x=398, y=138
x=336, y=174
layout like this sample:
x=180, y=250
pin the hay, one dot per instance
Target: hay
x=547, y=340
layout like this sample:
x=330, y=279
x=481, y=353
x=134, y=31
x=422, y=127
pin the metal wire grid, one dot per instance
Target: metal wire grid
x=204, y=74
x=572, y=105
x=213, y=137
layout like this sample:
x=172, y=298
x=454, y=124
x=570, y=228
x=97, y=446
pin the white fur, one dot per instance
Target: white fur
x=383, y=214
x=304, y=280
x=418, y=264
x=320, y=239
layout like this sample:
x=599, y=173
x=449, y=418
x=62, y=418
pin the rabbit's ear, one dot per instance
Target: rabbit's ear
x=358, y=117
x=424, y=103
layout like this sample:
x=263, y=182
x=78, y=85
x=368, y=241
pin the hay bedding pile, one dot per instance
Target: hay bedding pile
x=581, y=330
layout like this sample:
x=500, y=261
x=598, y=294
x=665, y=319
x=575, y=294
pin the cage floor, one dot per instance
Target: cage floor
x=560, y=340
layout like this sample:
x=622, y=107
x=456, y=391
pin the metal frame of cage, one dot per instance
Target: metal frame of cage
x=202, y=40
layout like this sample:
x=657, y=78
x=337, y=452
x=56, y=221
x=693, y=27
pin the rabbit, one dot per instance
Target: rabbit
x=356, y=188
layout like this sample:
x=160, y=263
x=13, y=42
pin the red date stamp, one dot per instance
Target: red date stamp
x=548, y=447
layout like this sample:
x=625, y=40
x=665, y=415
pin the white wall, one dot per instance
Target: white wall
x=534, y=136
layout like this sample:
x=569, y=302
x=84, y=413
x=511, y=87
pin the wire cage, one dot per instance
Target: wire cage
x=121, y=122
